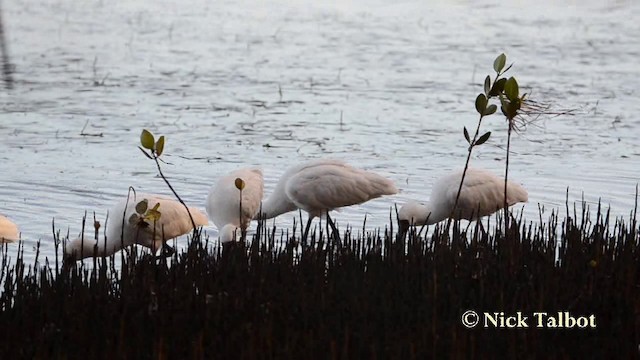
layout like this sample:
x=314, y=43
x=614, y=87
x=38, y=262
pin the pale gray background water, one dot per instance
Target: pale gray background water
x=385, y=85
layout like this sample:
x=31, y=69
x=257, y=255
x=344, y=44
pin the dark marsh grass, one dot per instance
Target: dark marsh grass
x=369, y=296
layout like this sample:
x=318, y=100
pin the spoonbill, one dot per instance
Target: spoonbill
x=125, y=231
x=8, y=230
x=319, y=186
x=223, y=202
x=482, y=194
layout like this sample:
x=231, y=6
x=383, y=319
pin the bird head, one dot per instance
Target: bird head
x=80, y=248
x=229, y=233
x=411, y=213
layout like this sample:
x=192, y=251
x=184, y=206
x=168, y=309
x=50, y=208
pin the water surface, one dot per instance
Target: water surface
x=387, y=86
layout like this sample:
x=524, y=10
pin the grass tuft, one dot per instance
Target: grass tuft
x=366, y=296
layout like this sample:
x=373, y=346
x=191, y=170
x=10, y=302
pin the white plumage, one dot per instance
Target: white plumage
x=223, y=202
x=320, y=186
x=8, y=230
x=173, y=222
x=482, y=194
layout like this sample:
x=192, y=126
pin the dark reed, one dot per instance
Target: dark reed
x=367, y=296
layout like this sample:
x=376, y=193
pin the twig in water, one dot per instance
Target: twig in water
x=82, y=133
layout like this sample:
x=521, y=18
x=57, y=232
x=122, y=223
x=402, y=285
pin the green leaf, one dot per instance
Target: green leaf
x=510, y=108
x=487, y=85
x=240, y=184
x=513, y=109
x=511, y=89
x=142, y=206
x=466, y=135
x=483, y=138
x=160, y=145
x=156, y=207
x=133, y=219
x=152, y=215
x=499, y=62
x=491, y=109
x=146, y=139
x=497, y=87
x=481, y=103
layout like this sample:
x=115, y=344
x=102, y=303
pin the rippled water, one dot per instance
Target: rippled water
x=383, y=85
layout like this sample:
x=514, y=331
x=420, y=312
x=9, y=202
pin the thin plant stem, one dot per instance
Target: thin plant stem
x=464, y=172
x=506, y=175
x=242, y=230
x=193, y=223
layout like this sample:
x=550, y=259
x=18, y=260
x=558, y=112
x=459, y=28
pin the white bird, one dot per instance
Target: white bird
x=223, y=202
x=8, y=230
x=319, y=186
x=173, y=222
x=482, y=194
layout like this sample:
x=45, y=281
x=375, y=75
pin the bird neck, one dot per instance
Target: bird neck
x=278, y=203
x=430, y=214
x=85, y=247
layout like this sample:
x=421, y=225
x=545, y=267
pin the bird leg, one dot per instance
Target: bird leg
x=336, y=234
x=306, y=229
x=482, y=229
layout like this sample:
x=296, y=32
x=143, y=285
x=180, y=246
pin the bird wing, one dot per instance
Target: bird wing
x=173, y=222
x=327, y=186
x=482, y=193
x=8, y=230
x=279, y=202
x=174, y=219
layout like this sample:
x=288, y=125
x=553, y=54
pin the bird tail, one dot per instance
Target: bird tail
x=516, y=194
x=382, y=186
